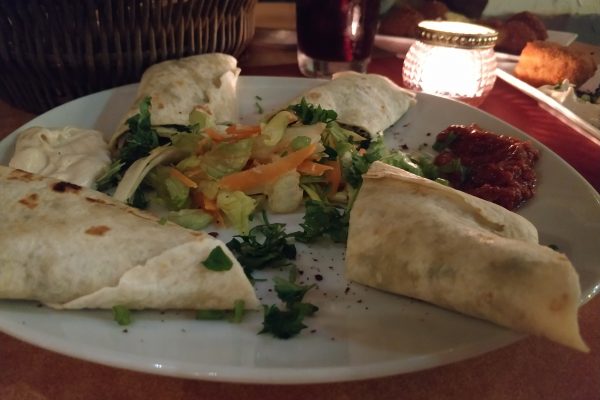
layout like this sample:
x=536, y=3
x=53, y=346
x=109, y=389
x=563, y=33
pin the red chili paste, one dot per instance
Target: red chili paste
x=497, y=168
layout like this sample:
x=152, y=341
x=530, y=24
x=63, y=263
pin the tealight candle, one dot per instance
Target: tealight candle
x=453, y=59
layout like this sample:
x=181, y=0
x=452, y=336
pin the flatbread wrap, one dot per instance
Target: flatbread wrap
x=417, y=238
x=358, y=98
x=71, y=247
x=177, y=86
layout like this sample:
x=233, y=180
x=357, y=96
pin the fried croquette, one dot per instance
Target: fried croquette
x=548, y=63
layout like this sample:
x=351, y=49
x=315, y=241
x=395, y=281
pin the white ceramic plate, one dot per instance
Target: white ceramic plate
x=358, y=333
x=400, y=45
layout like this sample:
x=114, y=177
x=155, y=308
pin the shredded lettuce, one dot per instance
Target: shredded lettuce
x=238, y=207
x=190, y=218
x=226, y=158
x=285, y=195
x=273, y=131
x=170, y=190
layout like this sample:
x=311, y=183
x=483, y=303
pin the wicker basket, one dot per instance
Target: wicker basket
x=52, y=51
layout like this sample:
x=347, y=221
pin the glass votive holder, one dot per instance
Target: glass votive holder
x=452, y=59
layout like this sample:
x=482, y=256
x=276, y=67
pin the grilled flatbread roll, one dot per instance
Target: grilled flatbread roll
x=420, y=239
x=72, y=247
x=177, y=86
x=369, y=102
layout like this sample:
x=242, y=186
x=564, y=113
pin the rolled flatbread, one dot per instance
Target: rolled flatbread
x=177, y=86
x=72, y=247
x=457, y=251
x=369, y=102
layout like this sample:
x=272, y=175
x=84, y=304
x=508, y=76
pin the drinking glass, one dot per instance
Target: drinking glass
x=335, y=35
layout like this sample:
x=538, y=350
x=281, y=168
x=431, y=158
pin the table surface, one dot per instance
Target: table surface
x=532, y=368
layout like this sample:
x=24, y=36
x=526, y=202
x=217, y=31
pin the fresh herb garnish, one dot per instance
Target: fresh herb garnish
x=139, y=200
x=211, y=315
x=217, y=260
x=440, y=145
x=282, y=324
x=290, y=292
x=141, y=137
x=322, y=219
x=236, y=315
x=266, y=245
x=308, y=114
x=121, y=314
x=238, y=311
x=454, y=168
x=288, y=322
x=259, y=108
x=110, y=177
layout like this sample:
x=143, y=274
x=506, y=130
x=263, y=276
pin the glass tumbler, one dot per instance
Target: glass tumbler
x=335, y=35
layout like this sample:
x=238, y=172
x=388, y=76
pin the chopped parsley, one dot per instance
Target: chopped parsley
x=110, y=177
x=211, y=315
x=217, y=260
x=308, y=114
x=290, y=292
x=265, y=246
x=322, y=219
x=259, y=108
x=122, y=315
x=236, y=315
x=287, y=322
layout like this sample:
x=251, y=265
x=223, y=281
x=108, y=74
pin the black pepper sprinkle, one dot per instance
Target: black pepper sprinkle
x=39, y=305
x=300, y=272
x=313, y=330
x=359, y=301
x=214, y=234
x=319, y=277
x=404, y=147
x=428, y=134
x=347, y=290
x=125, y=331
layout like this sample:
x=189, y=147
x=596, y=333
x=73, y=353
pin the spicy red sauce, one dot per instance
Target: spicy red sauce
x=498, y=168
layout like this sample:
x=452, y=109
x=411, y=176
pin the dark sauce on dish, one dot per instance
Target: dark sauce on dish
x=496, y=168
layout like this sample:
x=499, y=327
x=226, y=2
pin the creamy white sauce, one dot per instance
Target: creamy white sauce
x=70, y=154
x=565, y=94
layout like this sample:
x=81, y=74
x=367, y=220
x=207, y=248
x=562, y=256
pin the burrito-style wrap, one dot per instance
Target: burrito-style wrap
x=177, y=86
x=424, y=240
x=369, y=102
x=72, y=247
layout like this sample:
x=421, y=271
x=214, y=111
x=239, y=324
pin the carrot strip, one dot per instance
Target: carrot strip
x=175, y=173
x=242, y=129
x=334, y=176
x=214, y=135
x=201, y=201
x=312, y=168
x=217, y=215
x=210, y=204
x=256, y=177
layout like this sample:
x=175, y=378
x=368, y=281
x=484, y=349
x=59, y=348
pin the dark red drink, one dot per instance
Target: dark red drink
x=336, y=30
